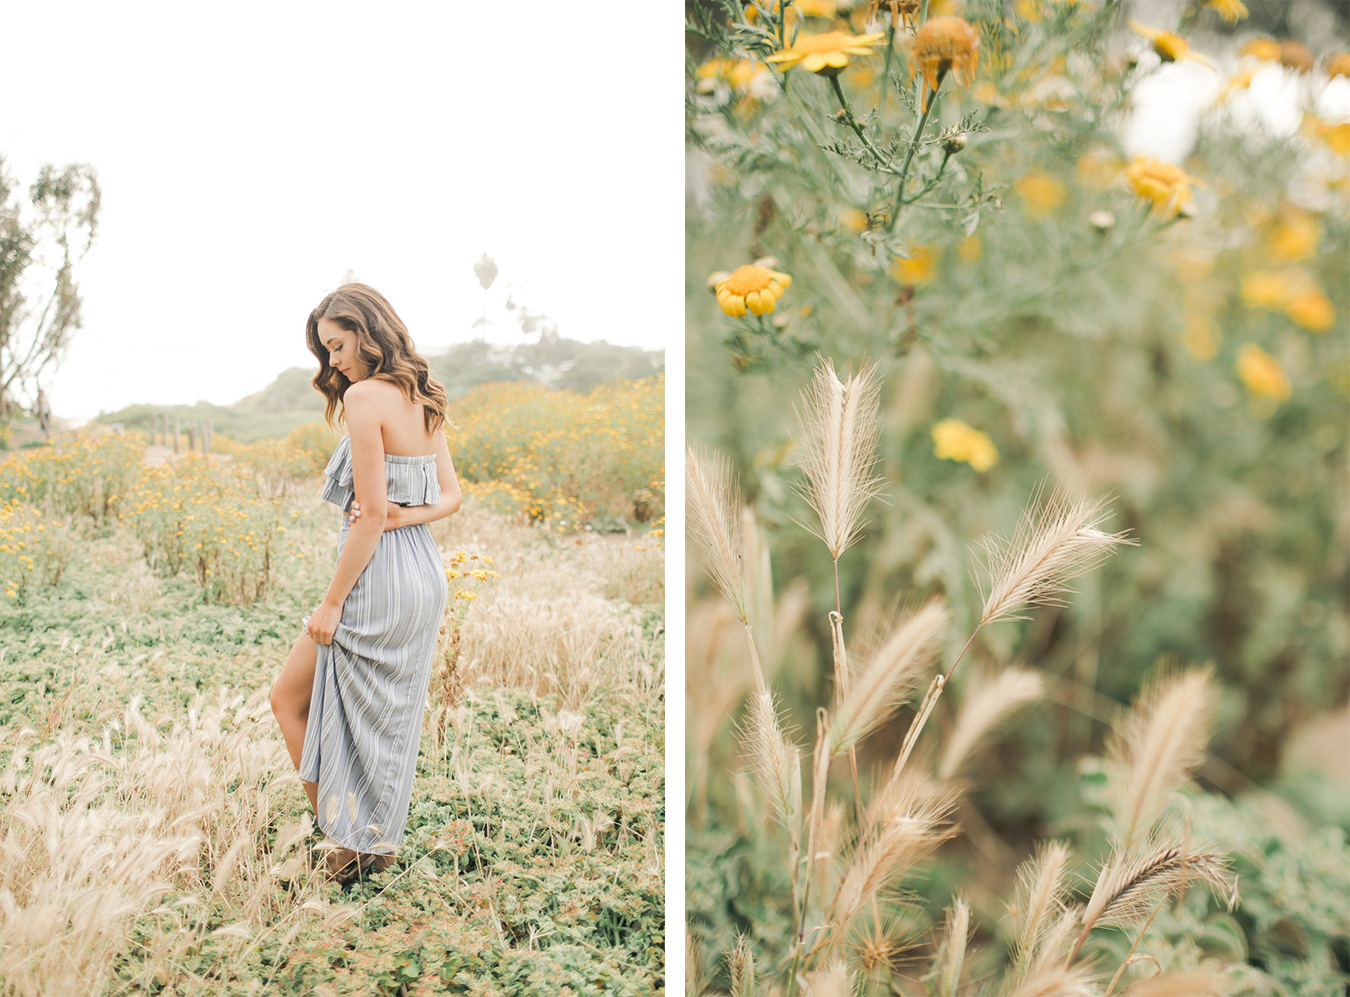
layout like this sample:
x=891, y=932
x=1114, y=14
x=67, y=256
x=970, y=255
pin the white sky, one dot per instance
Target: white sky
x=251, y=153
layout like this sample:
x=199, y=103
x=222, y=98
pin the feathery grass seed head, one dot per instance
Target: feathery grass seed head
x=890, y=679
x=715, y=530
x=1055, y=541
x=840, y=422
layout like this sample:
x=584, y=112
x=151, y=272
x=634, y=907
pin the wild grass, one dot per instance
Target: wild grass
x=848, y=845
x=153, y=833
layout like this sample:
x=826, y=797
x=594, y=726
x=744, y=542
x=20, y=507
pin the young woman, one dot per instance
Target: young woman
x=350, y=698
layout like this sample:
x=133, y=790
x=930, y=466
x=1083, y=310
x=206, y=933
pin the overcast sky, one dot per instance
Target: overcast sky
x=252, y=153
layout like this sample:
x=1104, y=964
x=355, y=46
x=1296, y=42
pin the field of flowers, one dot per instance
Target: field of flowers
x=968, y=202
x=564, y=456
x=155, y=836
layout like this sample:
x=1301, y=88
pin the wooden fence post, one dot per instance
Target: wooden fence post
x=191, y=441
x=176, y=431
x=207, y=434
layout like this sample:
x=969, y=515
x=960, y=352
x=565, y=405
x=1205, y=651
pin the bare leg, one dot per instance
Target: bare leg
x=290, y=704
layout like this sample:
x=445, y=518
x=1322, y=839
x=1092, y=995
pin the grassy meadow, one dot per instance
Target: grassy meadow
x=155, y=838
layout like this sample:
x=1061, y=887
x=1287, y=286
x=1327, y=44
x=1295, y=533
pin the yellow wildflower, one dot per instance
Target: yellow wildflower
x=1296, y=56
x=1041, y=194
x=1168, y=186
x=1294, y=236
x=853, y=219
x=826, y=53
x=946, y=44
x=1231, y=11
x=753, y=287
x=1312, y=310
x=1169, y=45
x=1336, y=136
x=918, y=269
x=1337, y=64
x=744, y=75
x=1265, y=49
x=1262, y=374
x=1202, y=335
x=1265, y=289
x=954, y=439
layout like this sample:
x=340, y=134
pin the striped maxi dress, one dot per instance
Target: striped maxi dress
x=370, y=684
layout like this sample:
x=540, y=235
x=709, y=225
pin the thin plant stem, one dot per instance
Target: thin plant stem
x=909, y=154
x=915, y=728
x=886, y=69
x=883, y=161
x=819, y=770
x=1126, y=961
x=841, y=685
x=947, y=678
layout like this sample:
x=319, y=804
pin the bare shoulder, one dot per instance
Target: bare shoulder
x=372, y=396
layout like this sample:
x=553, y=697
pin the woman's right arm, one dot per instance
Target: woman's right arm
x=448, y=504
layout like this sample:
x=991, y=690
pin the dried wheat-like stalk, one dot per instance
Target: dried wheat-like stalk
x=951, y=955
x=912, y=825
x=775, y=762
x=715, y=530
x=983, y=709
x=1155, y=750
x=1040, y=901
x=889, y=681
x=693, y=965
x=1054, y=542
x=1129, y=885
x=741, y=965
x=1049, y=973
x=838, y=451
x=832, y=980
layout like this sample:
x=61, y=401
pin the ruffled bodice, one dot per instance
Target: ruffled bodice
x=408, y=480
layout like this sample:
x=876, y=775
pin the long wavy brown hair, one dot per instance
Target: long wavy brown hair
x=383, y=347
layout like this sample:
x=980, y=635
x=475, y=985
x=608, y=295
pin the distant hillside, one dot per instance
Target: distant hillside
x=291, y=400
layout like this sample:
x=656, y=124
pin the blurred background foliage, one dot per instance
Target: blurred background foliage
x=1185, y=351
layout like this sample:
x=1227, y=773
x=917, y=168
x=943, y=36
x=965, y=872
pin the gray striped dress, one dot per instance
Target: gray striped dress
x=370, y=684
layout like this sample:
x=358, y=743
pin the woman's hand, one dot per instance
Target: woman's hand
x=323, y=623
x=392, y=518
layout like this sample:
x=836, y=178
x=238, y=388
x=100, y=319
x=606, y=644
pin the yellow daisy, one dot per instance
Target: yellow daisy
x=753, y=287
x=1265, y=49
x=1041, y=194
x=1337, y=64
x=946, y=44
x=954, y=439
x=1262, y=374
x=1231, y=11
x=1169, y=45
x=827, y=53
x=1168, y=186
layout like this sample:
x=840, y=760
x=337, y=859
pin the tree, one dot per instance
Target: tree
x=41, y=242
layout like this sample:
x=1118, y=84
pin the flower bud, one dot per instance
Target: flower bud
x=1102, y=221
x=954, y=142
